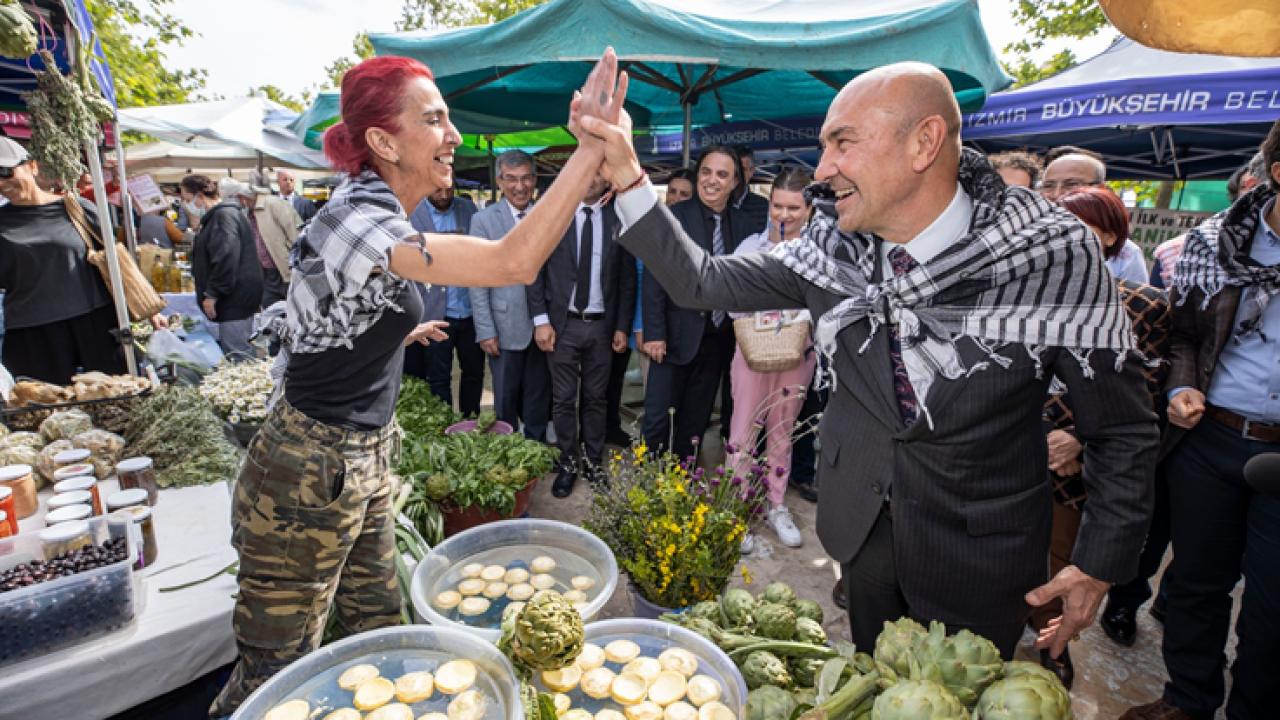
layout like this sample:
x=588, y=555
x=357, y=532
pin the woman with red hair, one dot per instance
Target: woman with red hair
x=1107, y=217
x=312, y=507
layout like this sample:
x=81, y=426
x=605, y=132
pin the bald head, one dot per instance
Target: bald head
x=1071, y=172
x=907, y=92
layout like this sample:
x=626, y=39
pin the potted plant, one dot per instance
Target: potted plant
x=675, y=529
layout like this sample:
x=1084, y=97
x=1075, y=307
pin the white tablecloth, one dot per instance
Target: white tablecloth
x=177, y=637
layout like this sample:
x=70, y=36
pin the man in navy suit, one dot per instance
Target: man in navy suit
x=288, y=184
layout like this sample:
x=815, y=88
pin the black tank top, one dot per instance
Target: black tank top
x=356, y=388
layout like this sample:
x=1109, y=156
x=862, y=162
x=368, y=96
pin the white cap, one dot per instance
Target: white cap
x=9, y=473
x=125, y=498
x=229, y=187
x=69, y=513
x=73, y=497
x=11, y=153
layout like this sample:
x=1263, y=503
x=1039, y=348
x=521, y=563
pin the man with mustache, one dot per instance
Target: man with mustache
x=945, y=303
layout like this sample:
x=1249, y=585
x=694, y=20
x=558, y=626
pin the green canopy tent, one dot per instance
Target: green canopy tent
x=699, y=62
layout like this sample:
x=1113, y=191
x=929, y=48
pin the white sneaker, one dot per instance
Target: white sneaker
x=748, y=544
x=779, y=518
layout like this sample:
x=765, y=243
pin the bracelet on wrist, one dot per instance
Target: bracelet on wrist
x=638, y=182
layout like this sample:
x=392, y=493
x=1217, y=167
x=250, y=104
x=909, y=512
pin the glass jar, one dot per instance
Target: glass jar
x=144, y=534
x=68, y=513
x=159, y=277
x=6, y=507
x=126, y=498
x=86, y=483
x=5, y=530
x=74, y=456
x=138, y=472
x=64, y=538
x=19, y=479
x=70, y=471
x=72, y=497
x=175, y=278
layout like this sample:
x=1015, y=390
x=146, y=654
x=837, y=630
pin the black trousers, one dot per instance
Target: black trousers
x=691, y=390
x=580, y=368
x=274, y=287
x=613, y=395
x=522, y=388
x=804, y=456
x=1222, y=530
x=1132, y=594
x=55, y=351
x=434, y=363
x=871, y=584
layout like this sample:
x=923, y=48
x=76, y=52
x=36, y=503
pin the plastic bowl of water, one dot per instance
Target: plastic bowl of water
x=512, y=544
x=395, y=651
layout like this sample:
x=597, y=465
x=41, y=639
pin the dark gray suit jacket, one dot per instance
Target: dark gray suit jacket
x=435, y=298
x=549, y=294
x=970, y=497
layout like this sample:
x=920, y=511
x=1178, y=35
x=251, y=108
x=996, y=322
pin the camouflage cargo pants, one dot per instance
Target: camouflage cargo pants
x=312, y=524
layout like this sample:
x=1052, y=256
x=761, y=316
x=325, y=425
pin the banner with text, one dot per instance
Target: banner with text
x=1148, y=227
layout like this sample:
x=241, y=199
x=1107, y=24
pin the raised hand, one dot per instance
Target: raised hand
x=602, y=95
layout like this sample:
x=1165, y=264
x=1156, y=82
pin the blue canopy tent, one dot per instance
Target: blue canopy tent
x=1152, y=114
x=699, y=62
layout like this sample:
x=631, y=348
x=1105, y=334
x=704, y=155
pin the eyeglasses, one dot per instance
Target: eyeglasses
x=1066, y=185
x=7, y=172
x=522, y=179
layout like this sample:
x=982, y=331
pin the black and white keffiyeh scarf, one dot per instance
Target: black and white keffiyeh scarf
x=1027, y=272
x=1216, y=254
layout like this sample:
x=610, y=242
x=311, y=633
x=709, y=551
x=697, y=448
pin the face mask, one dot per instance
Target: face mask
x=193, y=210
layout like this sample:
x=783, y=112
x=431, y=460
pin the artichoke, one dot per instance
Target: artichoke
x=18, y=37
x=965, y=663
x=918, y=700
x=1025, y=697
x=518, y=478
x=546, y=634
x=764, y=668
x=804, y=671
x=768, y=702
x=894, y=645
x=707, y=610
x=496, y=475
x=780, y=593
x=438, y=486
x=809, y=609
x=737, y=606
x=809, y=631
x=1016, y=668
x=774, y=621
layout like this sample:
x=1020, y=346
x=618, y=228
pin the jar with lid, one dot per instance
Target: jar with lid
x=69, y=513
x=64, y=538
x=138, y=472
x=74, y=456
x=144, y=534
x=73, y=497
x=7, y=507
x=85, y=483
x=76, y=470
x=5, y=530
x=19, y=479
x=126, y=498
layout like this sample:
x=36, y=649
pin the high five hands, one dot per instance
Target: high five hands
x=593, y=119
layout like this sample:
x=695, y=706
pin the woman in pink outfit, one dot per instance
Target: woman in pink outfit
x=772, y=400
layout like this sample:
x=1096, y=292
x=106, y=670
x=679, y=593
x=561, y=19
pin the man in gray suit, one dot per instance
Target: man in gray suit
x=946, y=302
x=445, y=212
x=504, y=329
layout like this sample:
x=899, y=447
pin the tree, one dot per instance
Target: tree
x=1046, y=20
x=361, y=48
x=419, y=14
x=275, y=94
x=138, y=63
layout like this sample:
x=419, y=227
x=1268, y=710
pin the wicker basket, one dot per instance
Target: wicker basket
x=772, y=342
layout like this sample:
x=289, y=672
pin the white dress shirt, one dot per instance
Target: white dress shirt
x=595, y=301
x=515, y=214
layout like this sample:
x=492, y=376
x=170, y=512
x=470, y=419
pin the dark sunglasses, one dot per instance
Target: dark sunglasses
x=7, y=172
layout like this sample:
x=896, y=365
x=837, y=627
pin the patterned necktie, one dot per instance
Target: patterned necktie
x=717, y=248
x=586, y=249
x=520, y=215
x=902, y=263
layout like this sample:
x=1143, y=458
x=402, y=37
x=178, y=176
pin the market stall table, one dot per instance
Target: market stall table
x=175, y=638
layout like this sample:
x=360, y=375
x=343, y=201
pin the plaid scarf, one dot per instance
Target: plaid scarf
x=1027, y=272
x=1216, y=254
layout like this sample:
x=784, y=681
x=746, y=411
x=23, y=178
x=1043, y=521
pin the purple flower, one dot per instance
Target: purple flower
x=698, y=473
x=731, y=448
x=779, y=471
x=737, y=480
x=759, y=422
x=786, y=391
x=720, y=470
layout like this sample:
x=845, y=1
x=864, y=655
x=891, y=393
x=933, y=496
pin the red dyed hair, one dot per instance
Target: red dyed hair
x=1101, y=208
x=368, y=101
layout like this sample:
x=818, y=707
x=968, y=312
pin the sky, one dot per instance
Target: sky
x=288, y=43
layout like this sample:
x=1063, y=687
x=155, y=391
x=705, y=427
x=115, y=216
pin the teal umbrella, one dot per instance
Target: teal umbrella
x=697, y=63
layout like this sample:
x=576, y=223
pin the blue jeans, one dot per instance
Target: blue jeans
x=1222, y=530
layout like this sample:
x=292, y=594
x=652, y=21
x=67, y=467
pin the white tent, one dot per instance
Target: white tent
x=252, y=124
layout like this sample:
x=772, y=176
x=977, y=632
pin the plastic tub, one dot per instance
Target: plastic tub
x=654, y=636
x=441, y=569
x=41, y=618
x=394, y=651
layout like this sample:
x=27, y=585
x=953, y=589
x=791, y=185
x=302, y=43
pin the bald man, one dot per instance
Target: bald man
x=1069, y=173
x=929, y=278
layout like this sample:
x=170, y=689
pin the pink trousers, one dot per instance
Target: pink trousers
x=759, y=397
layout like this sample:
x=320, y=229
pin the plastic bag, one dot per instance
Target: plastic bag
x=166, y=347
